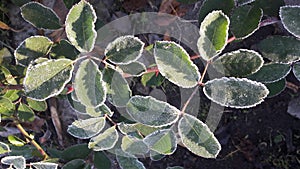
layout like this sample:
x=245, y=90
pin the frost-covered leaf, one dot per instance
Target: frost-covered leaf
x=269, y=7
x=210, y=5
x=276, y=87
x=4, y=148
x=231, y=63
x=25, y=113
x=84, y=129
x=155, y=156
x=162, y=141
x=213, y=34
x=124, y=50
x=281, y=49
x=290, y=18
x=101, y=161
x=105, y=140
x=134, y=146
x=44, y=165
x=151, y=79
x=75, y=164
x=47, y=79
x=294, y=107
x=32, y=48
x=6, y=106
x=18, y=162
x=37, y=105
x=118, y=91
x=64, y=49
x=99, y=111
x=5, y=56
x=296, y=70
x=134, y=69
x=8, y=76
x=197, y=137
x=270, y=73
x=11, y=95
x=80, y=26
x=136, y=128
x=88, y=85
x=244, y=21
x=152, y=112
x=40, y=16
x=235, y=92
x=127, y=161
x=174, y=63
x=78, y=151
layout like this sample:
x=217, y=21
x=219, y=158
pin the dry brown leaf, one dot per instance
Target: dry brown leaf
x=4, y=26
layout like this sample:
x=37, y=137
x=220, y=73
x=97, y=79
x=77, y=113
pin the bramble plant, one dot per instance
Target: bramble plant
x=45, y=69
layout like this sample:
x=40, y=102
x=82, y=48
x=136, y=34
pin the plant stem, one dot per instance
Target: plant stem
x=106, y=116
x=11, y=87
x=204, y=72
x=189, y=100
x=32, y=141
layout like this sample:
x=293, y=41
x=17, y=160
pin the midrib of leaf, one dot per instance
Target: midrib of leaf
x=165, y=135
x=198, y=134
x=92, y=123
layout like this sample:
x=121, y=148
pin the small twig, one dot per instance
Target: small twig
x=231, y=39
x=106, y=116
x=55, y=120
x=32, y=141
x=11, y=87
x=204, y=72
x=189, y=100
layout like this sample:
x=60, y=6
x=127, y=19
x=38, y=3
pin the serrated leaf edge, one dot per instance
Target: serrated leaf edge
x=44, y=164
x=281, y=17
x=137, y=75
x=3, y=160
x=106, y=148
x=280, y=77
x=189, y=60
x=238, y=79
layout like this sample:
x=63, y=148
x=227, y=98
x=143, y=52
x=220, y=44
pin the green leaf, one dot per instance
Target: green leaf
x=136, y=128
x=152, y=112
x=197, y=137
x=235, y=92
x=244, y=21
x=162, y=141
x=154, y=156
x=270, y=73
x=20, y=2
x=89, y=86
x=134, y=69
x=290, y=19
x=174, y=63
x=78, y=151
x=230, y=64
x=47, y=79
x=4, y=148
x=16, y=141
x=44, y=165
x=37, y=105
x=18, y=162
x=127, y=161
x=64, y=49
x=6, y=106
x=70, y=3
x=80, y=26
x=269, y=7
x=5, y=56
x=75, y=164
x=12, y=95
x=296, y=70
x=25, y=113
x=210, y=5
x=101, y=161
x=118, y=91
x=213, y=35
x=99, y=111
x=150, y=79
x=25, y=151
x=134, y=146
x=280, y=49
x=31, y=49
x=40, y=16
x=8, y=76
x=276, y=88
x=104, y=141
x=84, y=129
x=124, y=50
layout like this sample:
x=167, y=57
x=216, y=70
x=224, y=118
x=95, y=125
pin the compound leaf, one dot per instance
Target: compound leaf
x=44, y=165
x=127, y=161
x=162, y=141
x=174, y=63
x=244, y=21
x=40, y=16
x=290, y=18
x=31, y=49
x=213, y=34
x=80, y=26
x=271, y=73
x=280, y=49
x=118, y=91
x=25, y=113
x=88, y=84
x=18, y=162
x=105, y=140
x=235, y=92
x=64, y=49
x=124, y=50
x=230, y=64
x=136, y=128
x=151, y=79
x=210, y=5
x=152, y=112
x=47, y=79
x=84, y=129
x=134, y=146
x=197, y=137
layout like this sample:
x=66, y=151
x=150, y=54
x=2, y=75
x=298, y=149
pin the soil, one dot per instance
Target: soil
x=264, y=137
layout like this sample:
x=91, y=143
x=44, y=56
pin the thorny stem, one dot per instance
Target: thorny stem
x=32, y=141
